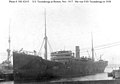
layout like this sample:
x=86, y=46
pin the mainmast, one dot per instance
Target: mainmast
x=92, y=47
x=45, y=38
x=9, y=41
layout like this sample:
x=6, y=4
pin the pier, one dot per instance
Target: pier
x=89, y=82
x=6, y=77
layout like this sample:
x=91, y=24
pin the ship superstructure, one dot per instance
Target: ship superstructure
x=61, y=56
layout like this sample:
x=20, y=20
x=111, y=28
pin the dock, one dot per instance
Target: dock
x=6, y=77
x=2, y=80
x=71, y=82
x=89, y=82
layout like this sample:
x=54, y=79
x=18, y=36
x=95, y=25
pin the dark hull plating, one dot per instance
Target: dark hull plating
x=30, y=67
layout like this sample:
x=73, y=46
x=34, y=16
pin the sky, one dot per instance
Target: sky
x=68, y=25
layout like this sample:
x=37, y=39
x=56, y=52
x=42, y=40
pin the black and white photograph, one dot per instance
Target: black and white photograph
x=59, y=42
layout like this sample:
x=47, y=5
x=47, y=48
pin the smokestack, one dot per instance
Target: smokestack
x=77, y=52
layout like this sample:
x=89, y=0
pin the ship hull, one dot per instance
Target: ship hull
x=30, y=67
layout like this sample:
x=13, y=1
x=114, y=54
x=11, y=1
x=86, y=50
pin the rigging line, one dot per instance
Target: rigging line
x=50, y=46
x=99, y=48
x=41, y=46
x=88, y=53
x=108, y=44
x=10, y=56
x=105, y=45
x=108, y=47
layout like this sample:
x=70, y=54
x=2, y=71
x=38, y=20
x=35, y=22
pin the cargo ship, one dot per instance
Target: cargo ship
x=62, y=64
x=65, y=63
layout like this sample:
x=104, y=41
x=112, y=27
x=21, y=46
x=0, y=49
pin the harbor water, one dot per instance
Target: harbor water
x=100, y=76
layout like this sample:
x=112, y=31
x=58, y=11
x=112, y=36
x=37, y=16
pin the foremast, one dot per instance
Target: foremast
x=45, y=38
x=9, y=42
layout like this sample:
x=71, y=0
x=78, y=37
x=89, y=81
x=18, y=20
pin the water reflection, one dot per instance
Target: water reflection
x=100, y=76
x=8, y=82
